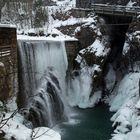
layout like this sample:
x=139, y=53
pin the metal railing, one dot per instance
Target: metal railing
x=112, y=9
x=116, y=8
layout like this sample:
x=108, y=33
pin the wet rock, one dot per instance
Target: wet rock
x=131, y=50
x=86, y=36
x=54, y=35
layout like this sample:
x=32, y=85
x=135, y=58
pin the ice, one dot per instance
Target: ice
x=130, y=3
x=80, y=89
x=126, y=104
x=126, y=48
x=127, y=89
x=110, y=78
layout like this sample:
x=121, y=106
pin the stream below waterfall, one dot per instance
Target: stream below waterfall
x=88, y=124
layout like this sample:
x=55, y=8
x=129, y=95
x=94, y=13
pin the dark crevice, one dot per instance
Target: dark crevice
x=118, y=28
x=117, y=36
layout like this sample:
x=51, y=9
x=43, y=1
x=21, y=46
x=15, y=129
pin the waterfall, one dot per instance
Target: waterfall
x=42, y=70
x=80, y=88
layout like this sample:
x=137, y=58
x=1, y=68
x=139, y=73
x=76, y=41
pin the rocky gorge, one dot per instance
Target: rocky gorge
x=103, y=67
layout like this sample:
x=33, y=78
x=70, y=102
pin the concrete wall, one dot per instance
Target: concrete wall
x=8, y=43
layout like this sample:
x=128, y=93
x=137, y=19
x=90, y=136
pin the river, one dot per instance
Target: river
x=88, y=124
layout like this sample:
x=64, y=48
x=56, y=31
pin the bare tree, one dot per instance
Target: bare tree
x=4, y=121
x=2, y=3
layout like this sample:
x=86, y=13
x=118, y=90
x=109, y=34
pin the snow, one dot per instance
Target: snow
x=126, y=103
x=78, y=29
x=119, y=137
x=72, y=21
x=126, y=48
x=43, y=38
x=130, y=3
x=52, y=25
x=7, y=26
x=15, y=128
x=134, y=135
x=110, y=78
x=138, y=105
x=44, y=133
x=11, y=104
x=65, y=4
x=137, y=35
x=97, y=47
x=127, y=89
x=80, y=90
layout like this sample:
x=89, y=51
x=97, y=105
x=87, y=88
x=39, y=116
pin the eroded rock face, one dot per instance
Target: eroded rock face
x=88, y=32
x=86, y=79
x=96, y=49
x=86, y=36
x=95, y=56
x=102, y=53
x=131, y=50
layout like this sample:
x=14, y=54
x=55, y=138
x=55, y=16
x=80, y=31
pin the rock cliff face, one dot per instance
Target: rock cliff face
x=115, y=70
x=126, y=92
x=132, y=45
x=108, y=68
x=96, y=48
x=104, y=48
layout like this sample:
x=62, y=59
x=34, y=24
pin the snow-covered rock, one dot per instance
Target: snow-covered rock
x=126, y=104
x=15, y=129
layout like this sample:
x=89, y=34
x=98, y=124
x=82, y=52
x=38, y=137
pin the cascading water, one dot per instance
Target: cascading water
x=80, y=88
x=42, y=70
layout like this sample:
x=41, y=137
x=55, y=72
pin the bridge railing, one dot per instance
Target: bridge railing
x=118, y=10
x=115, y=8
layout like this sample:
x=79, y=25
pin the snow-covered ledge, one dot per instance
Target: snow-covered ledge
x=15, y=129
x=7, y=26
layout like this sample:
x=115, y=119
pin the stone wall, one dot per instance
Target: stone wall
x=8, y=62
x=72, y=49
